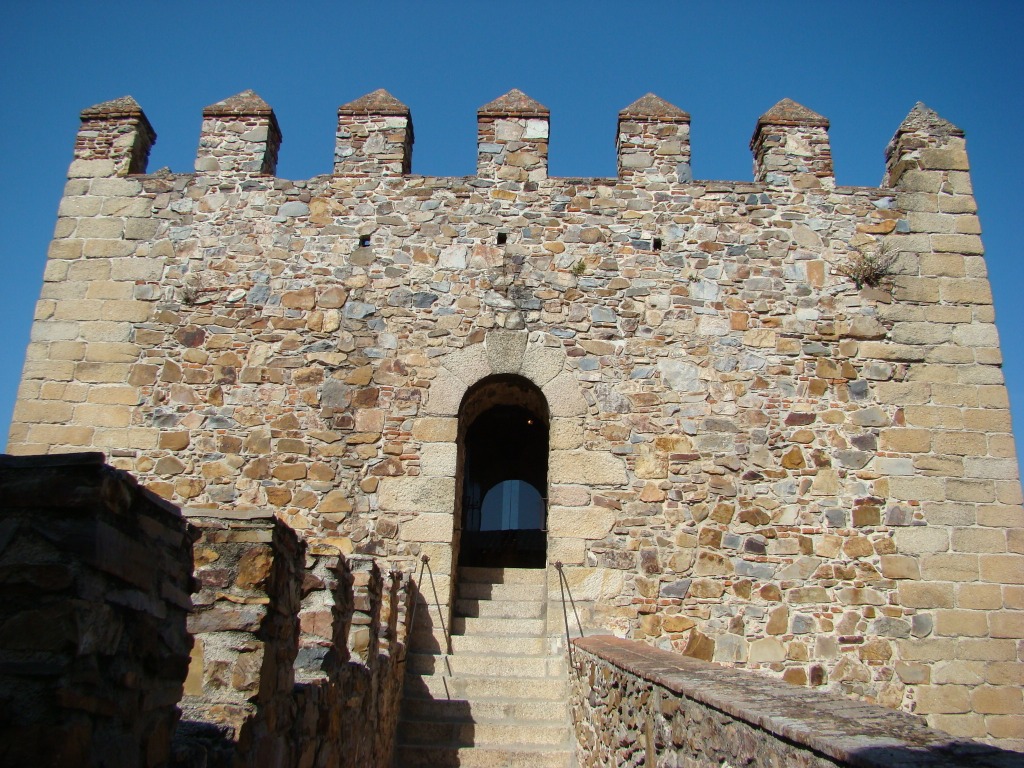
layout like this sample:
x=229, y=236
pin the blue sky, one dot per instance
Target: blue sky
x=861, y=64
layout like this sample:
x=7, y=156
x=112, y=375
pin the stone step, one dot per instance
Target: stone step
x=504, y=627
x=474, y=688
x=483, y=665
x=481, y=757
x=482, y=733
x=503, y=575
x=497, y=644
x=484, y=709
x=472, y=590
x=504, y=609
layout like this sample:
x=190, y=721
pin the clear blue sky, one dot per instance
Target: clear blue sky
x=861, y=64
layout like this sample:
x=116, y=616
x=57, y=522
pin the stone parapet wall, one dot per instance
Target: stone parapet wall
x=95, y=578
x=238, y=703
x=354, y=679
x=633, y=705
x=763, y=451
x=297, y=649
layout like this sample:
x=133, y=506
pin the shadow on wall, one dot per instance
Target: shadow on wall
x=968, y=754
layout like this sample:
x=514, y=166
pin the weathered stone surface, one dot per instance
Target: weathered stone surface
x=108, y=576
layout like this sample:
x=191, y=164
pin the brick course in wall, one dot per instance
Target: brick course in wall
x=754, y=458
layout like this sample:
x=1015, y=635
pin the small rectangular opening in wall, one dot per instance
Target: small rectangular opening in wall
x=364, y=241
x=502, y=238
x=656, y=244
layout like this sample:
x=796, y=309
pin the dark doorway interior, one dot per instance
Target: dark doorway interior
x=504, y=475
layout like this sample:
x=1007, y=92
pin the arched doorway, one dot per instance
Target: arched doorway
x=502, y=478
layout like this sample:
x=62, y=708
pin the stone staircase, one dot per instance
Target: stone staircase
x=500, y=698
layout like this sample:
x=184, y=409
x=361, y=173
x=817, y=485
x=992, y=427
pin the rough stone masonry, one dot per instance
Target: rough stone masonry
x=779, y=434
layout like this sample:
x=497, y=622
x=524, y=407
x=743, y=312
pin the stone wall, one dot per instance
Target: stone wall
x=297, y=649
x=351, y=662
x=95, y=576
x=238, y=704
x=633, y=705
x=769, y=446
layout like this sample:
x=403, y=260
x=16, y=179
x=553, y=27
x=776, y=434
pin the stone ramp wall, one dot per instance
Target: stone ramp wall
x=297, y=650
x=634, y=705
x=95, y=576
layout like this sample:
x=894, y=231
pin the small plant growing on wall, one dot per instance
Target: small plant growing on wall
x=579, y=267
x=190, y=291
x=872, y=268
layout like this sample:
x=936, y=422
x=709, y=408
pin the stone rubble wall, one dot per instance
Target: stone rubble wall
x=753, y=459
x=633, y=705
x=95, y=578
x=297, y=649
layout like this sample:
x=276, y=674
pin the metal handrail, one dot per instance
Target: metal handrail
x=425, y=565
x=563, y=586
x=437, y=604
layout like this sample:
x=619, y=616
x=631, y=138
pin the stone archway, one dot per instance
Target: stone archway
x=428, y=503
x=501, y=482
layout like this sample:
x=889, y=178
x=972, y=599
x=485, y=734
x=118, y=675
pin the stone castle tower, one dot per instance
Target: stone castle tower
x=761, y=423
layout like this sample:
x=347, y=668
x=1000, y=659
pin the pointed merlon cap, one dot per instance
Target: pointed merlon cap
x=380, y=102
x=124, y=107
x=245, y=103
x=655, y=108
x=515, y=103
x=926, y=120
x=788, y=112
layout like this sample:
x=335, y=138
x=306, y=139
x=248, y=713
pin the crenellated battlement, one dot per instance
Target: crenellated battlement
x=767, y=421
x=240, y=137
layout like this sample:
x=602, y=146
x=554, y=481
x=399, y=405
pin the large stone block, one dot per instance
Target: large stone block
x=542, y=363
x=565, y=434
x=580, y=522
x=564, y=396
x=436, y=527
x=445, y=396
x=586, y=467
x=438, y=459
x=505, y=350
x=432, y=429
x=588, y=583
x=417, y=494
x=469, y=364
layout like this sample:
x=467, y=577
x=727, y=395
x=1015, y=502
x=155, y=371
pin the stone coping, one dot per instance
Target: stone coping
x=852, y=732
